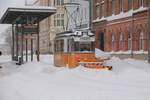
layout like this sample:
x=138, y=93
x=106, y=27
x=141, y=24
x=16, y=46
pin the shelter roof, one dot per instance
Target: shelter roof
x=12, y=14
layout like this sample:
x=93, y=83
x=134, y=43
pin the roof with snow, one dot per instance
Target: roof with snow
x=12, y=14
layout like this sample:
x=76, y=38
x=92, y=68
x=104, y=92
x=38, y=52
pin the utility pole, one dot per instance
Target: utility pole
x=148, y=31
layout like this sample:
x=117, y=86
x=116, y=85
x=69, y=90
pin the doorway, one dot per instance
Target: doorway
x=101, y=41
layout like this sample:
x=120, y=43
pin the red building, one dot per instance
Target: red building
x=121, y=25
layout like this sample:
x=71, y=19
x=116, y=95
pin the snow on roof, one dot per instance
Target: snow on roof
x=98, y=20
x=121, y=15
x=140, y=9
x=33, y=7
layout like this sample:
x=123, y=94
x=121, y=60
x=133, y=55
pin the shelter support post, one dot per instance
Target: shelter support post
x=17, y=44
x=31, y=48
x=26, y=48
x=22, y=33
x=13, y=41
x=38, y=44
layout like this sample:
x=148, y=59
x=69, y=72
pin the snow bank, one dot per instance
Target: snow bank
x=101, y=54
x=129, y=80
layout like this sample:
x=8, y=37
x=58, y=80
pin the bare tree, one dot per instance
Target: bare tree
x=8, y=36
x=5, y=47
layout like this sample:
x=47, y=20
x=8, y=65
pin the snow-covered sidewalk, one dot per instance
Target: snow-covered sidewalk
x=129, y=80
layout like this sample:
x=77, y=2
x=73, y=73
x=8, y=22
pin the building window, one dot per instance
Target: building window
x=55, y=21
x=113, y=6
x=59, y=45
x=113, y=42
x=102, y=9
x=58, y=19
x=121, y=41
x=62, y=2
x=141, y=44
x=54, y=2
x=72, y=1
x=85, y=10
x=130, y=4
x=97, y=10
x=129, y=41
x=62, y=19
x=58, y=2
x=141, y=3
x=121, y=5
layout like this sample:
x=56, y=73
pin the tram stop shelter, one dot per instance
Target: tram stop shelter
x=25, y=30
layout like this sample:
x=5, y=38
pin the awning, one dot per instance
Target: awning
x=13, y=14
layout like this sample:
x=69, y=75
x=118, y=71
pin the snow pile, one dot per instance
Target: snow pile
x=119, y=16
x=101, y=54
x=4, y=58
x=129, y=80
x=130, y=67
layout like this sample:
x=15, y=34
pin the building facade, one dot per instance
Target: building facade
x=44, y=30
x=61, y=21
x=121, y=25
x=44, y=27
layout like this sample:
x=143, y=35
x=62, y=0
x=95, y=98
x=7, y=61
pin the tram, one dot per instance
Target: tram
x=72, y=47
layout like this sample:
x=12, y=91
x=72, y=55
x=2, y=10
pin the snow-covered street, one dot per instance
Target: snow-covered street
x=129, y=80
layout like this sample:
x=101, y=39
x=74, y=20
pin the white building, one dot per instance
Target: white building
x=67, y=17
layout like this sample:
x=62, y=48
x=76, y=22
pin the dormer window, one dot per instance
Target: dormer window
x=121, y=5
x=141, y=3
x=113, y=6
x=102, y=9
x=130, y=2
x=97, y=10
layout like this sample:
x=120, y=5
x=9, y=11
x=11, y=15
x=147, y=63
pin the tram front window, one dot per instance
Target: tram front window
x=59, y=45
x=85, y=47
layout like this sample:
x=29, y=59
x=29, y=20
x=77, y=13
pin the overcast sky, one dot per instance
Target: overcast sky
x=4, y=4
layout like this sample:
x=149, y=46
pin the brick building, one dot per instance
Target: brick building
x=121, y=25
